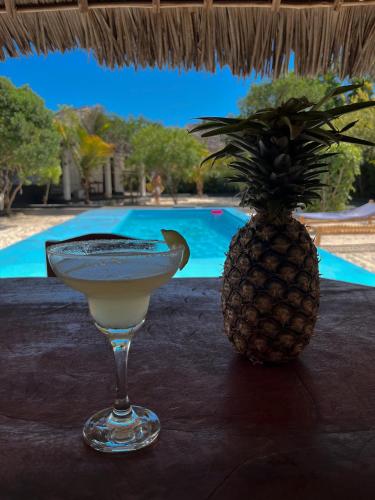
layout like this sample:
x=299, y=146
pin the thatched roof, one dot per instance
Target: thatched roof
x=260, y=35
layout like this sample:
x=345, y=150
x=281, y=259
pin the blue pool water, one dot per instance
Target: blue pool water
x=208, y=234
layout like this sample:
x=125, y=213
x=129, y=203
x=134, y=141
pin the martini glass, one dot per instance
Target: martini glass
x=117, y=277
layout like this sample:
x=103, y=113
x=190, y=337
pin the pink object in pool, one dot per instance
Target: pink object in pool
x=216, y=212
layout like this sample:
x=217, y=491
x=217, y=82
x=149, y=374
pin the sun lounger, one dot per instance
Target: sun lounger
x=365, y=212
x=357, y=220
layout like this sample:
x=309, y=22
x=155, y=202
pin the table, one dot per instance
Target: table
x=230, y=430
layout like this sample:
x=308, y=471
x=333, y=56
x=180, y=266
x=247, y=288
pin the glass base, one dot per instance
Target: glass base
x=109, y=433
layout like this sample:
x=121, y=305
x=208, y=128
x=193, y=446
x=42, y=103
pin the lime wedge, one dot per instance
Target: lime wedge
x=174, y=239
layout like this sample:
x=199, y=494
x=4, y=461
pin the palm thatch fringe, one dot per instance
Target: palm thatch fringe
x=244, y=38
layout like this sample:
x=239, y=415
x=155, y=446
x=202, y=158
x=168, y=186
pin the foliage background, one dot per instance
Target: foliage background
x=34, y=143
x=352, y=163
x=29, y=141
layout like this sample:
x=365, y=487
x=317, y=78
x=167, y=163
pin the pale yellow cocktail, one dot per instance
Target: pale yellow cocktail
x=119, y=293
x=118, y=277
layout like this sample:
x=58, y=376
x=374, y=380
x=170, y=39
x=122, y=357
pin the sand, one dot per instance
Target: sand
x=20, y=226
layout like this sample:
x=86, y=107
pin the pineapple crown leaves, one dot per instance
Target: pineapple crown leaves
x=278, y=154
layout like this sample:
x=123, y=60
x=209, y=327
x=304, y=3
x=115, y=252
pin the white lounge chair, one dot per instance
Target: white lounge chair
x=353, y=221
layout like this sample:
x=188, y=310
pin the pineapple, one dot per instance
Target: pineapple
x=270, y=294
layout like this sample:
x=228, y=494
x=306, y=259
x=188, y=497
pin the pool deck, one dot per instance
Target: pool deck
x=23, y=225
x=358, y=249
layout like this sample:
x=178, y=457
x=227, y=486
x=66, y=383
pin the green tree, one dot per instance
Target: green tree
x=346, y=166
x=46, y=177
x=364, y=164
x=339, y=180
x=273, y=93
x=29, y=141
x=120, y=131
x=170, y=152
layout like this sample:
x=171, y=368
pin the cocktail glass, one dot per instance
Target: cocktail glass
x=117, y=277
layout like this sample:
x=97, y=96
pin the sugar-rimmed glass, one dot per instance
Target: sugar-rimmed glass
x=117, y=277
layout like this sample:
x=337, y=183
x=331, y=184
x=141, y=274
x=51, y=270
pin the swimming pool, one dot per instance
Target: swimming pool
x=208, y=232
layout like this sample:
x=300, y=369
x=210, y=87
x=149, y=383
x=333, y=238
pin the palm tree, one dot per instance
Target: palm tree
x=92, y=151
x=111, y=128
x=82, y=141
x=198, y=175
x=67, y=123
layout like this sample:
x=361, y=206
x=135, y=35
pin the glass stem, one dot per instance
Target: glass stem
x=121, y=346
x=120, y=340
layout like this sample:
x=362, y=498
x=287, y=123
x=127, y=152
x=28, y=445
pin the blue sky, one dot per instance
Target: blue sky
x=168, y=96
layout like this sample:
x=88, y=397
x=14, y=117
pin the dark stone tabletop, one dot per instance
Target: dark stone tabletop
x=230, y=430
